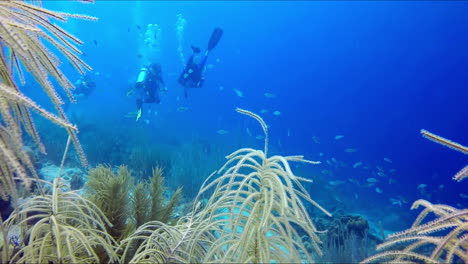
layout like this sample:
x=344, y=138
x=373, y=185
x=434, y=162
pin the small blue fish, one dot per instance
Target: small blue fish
x=357, y=164
x=350, y=150
x=238, y=92
x=388, y=160
x=222, y=132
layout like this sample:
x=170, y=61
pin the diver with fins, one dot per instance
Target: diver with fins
x=193, y=73
x=148, y=86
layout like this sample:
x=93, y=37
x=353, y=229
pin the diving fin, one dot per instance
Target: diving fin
x=138, y=114
x=214, y=39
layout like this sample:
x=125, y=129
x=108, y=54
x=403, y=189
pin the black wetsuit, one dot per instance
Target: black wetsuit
x=192, y=76
x=148, y=90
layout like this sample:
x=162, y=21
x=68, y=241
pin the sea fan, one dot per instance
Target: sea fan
x=24, y=30
x=421, y=238
x=254, y=214
x=59, y=228
x=255, y=210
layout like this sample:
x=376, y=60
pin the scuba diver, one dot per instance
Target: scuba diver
x=84, y=86
x=148, y=86
x=192, y=76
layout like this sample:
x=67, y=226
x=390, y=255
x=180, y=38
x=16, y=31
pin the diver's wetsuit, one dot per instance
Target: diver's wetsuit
x=85, y=86
x=83, y=89
x=148, y=90
x=192, y=76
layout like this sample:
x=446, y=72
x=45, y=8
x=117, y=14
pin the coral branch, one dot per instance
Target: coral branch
x=262, y=123
x=443, y=141
x=462, y=174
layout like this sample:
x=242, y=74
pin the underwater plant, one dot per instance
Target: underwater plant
x=25, y=29
x=442, y=240
x=155, y=188
x=254, y=213
x=128, y=206
x=110, y=193
x=463, y=173
x=192, y=162
x=256, y=210
x=157, y=242
x=347, y=240
x=142, y=158
x=61, y=227
x=423, y=240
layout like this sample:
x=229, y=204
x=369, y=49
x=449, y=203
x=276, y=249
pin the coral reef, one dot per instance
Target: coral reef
x=250, y=210
x=254, y=213
x=255, y=205
x=347, y=239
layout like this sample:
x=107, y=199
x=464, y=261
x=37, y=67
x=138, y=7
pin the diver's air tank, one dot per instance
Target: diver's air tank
x=142, y=75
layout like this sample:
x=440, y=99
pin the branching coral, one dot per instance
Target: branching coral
x=440, y=240
x=157, y=242
x=463, y=173
x=23, y=29
x=61, y=227
x=128, y=206
x=423, y=236
x=347, y=239
x=255, y=210
x=254, y=214
x=111, y=192
x=158, y=209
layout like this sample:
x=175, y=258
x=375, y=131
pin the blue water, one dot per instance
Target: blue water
x=375, y=72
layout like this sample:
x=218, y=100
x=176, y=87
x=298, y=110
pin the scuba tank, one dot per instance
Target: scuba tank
x=142, y=75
